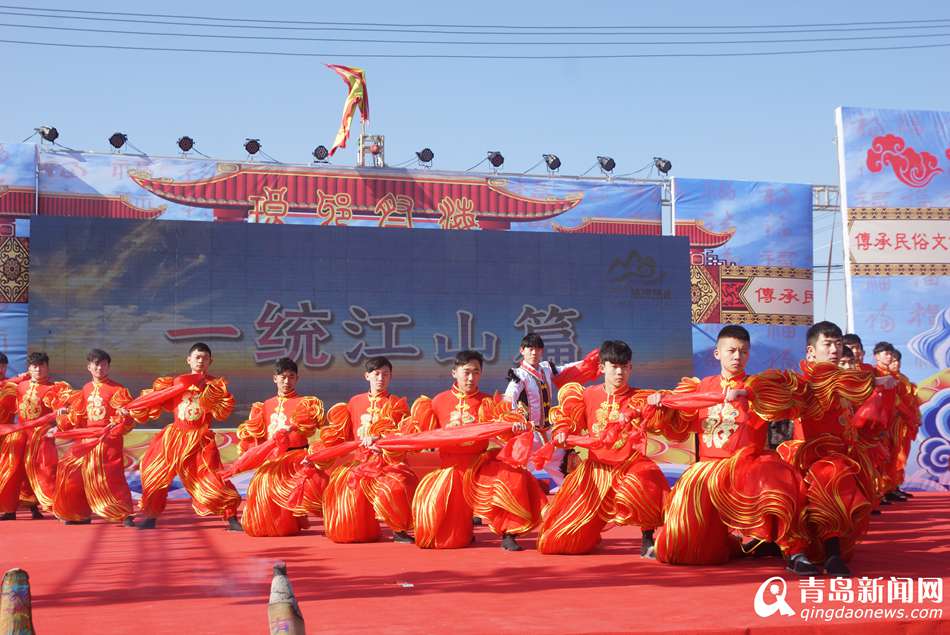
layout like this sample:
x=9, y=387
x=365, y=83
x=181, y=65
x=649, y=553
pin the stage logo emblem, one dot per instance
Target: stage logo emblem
x=777, y=588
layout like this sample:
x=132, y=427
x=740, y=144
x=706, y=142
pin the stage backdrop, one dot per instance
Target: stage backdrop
x=895, y=185
x=330, y=297
x=759, y=274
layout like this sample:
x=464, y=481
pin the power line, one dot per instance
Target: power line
x=165, y=49
x=924, y=21
x=472, y=42
x=943, y=24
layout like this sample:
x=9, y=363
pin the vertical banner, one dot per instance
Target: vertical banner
x=750, y=264
x=895, y=198
x=18, y=176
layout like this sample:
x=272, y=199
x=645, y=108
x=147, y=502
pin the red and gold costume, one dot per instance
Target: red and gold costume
x=907, y=424
x=737, y=485
x=471, y=481
x=12, y=446
x=616, y=484
x=95, y=481
x=187, y=447
x=34, y=400
x=376, y=485
x=272, y=509
x=837, y=471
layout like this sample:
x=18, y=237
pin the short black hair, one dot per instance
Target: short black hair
x=616, y=352
x=532, y=340
x=466, y=356
x=850, y=339
x=98, y=355
x=284, y=364
x=847, y=352
x=375, y=363
x=3, y=358
x=735, y=332
x=200, y=347
x=897, y=354
x=37, y=359
x=880, y=347
x=816, y=330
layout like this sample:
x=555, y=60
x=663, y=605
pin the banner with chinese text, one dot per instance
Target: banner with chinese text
x=895, y=197
x=757, y=272
x=17, y=200
x=330, y=297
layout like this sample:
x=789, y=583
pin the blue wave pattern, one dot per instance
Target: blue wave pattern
x=934, y=453
x=933, y=345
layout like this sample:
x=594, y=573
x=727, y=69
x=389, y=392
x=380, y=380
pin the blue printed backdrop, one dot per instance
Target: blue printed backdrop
x=895, y=180
x=771, y=225
x=17, y=183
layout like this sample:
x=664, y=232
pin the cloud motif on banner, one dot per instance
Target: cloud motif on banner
x=933, y=345
x=912, y=168
x=934, y=454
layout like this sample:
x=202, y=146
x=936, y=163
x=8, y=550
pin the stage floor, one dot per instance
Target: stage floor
x=191, y=576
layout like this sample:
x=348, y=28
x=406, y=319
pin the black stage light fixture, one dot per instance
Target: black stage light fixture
x=186, y=143
x=552, y=161
x=663, y=165
x=48, y=133
x=118, y=139
x=425, y=155
x=253, y=146
x=496, y=159
x=320, y=153
x=607, y=164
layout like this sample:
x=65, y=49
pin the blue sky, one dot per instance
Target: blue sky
x=754, y=118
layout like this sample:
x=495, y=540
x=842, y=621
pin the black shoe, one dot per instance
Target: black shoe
x=835, y=566
x=508, y=543
x=799, y=564
x=906, y=494
x=895, y=497
x=128, y=521
x=234, y=525
x=758, y=549
x=84, y=521
x=476, y=521
x=647, y=548
x=36, y=514
x=8, y=516
x=885, y=502
x=147, y=523
x=401, y=536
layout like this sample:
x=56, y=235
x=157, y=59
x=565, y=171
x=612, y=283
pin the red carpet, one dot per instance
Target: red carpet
x=190, y=576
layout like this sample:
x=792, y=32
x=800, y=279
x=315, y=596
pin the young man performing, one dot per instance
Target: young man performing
x=12, y=449
x=532, y=385
x=472, y=480
x=903, y=424
x=95, y=481
x=838, y=473
x=36, y=398
x=186, y=446
x=290, y=420
x=616, y=483
x=737, y=485
x=379, y=484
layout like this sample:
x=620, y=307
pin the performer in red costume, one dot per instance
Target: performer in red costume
x=186, y=446
x=379, y=484
x=12, y=450
x=903, y=422
x=36, y=398
x=288, y=420
x=617, y=483
x=472, y=479
x=737, y=486
x=837, y=472
x=93, y=481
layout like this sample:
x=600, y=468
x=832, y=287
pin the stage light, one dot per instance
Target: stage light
x=253, y=146
x=425, y=155
x=552, y=161
x=48, y=133
x=607, y=164
x=320, y=153
x=496, y=159
x=186, y=143
x=663, y=165
x=118, y=139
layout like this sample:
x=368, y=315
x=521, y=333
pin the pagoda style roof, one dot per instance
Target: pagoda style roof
x=697, y=233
